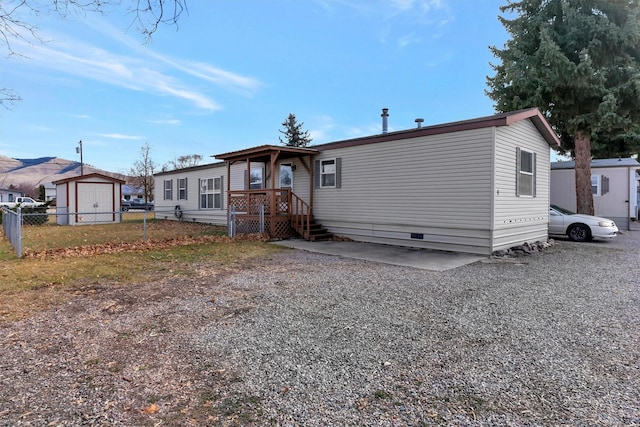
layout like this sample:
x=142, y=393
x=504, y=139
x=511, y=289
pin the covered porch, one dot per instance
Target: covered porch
x=268, y=202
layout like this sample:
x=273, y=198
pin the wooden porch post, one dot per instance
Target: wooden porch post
x=247, y=186
x=228, y=189
x=311, y=183
x=272, y=210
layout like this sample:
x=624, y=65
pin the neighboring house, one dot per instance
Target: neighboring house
x=88, y=199
x=132, y=192
x=474, y=186
x=7, y=195
x=614, y=184
x=49, y=191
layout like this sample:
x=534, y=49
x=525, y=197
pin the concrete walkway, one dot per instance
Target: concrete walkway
x=425, y=259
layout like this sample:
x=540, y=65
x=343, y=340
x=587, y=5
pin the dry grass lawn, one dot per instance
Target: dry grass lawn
x=61, y=260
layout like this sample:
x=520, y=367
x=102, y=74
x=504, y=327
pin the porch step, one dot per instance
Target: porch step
x=315, y=232
x=320, y=235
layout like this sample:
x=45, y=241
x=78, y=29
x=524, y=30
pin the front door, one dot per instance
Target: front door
x=286, y=176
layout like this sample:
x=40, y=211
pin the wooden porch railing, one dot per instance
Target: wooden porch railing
x=283, y=211
x=301, y=215
x=277, y=217
x=275, y=201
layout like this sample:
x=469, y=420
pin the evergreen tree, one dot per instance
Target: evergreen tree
x=293, y=133
x=578, y=61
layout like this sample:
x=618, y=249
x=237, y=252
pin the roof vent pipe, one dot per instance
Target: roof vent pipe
x=419, y=122
x=385, y=120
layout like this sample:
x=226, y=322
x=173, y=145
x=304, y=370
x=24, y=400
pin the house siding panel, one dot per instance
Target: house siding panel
x=438, y=186
x=615, y=203
x=301, y=178
x=525, y=218
x=618, y=204
x=165, y=209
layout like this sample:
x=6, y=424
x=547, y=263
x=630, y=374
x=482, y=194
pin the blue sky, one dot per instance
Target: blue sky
x=230, y=73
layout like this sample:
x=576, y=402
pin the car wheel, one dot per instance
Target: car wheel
x=579, y=233
x=124, y=209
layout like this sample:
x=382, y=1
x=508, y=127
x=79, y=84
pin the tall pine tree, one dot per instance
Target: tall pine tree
x=294, y=136
x=578, y=61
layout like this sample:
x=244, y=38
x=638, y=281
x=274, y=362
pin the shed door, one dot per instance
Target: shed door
x=95, y=202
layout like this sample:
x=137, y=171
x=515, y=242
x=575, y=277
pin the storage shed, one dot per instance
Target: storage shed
x=614, y=185
x=88, y=199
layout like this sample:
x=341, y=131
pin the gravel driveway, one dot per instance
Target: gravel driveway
x=305, y=339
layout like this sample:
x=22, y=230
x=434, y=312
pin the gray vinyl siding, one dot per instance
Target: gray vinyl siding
x=239, y=175
x=519, y=219
x=618, y=204
x=165, y=209
x=301, y=179
x=438, y=186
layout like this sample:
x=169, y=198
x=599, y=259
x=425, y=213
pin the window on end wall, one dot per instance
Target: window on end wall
x=525, y=173
x=327, y=173
x=599, y=185
x=211, y=193
x=182, y=188
x=168, y=189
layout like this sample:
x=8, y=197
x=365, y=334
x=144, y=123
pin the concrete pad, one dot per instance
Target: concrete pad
x=425, y=259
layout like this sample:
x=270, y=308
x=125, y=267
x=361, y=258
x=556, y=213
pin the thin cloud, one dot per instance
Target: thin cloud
x=392, y=18
x=120, y=136
x=223, y=78
x=165, y=122
x=136, y=73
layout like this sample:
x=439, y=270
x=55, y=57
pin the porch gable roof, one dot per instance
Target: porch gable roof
x=265, y=153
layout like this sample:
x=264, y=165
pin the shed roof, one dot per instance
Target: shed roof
x=599, y=163
x=84, y=177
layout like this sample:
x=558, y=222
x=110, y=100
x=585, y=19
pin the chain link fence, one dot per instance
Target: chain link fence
x=36, y=229
x=18, y=221
x=12, y=228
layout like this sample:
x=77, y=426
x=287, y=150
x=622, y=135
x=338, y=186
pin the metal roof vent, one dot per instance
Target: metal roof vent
x=385, y=120
x=419, y=122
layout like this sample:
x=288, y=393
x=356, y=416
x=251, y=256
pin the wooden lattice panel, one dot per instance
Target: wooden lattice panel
x=278, y=227
x=255, y=202
x=239, y=203
x=282, y=203
x=247, y=225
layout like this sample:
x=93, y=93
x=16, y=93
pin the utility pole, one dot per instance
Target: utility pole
x=79, y=150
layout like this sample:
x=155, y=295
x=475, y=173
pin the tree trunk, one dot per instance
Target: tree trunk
x=584, y=194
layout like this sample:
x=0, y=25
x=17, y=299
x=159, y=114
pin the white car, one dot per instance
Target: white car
x=579, y=227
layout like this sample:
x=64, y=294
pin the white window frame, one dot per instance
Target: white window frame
x=182, y=190
x=168, y=189
x=526, y=175
x=324, y=174
x=596, y=185
x=210, y=187
x=599, y=185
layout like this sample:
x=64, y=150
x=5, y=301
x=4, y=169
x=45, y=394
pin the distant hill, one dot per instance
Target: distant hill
x=34, y=172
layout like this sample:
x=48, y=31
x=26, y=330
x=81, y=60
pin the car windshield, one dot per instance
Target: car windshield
x=563, y=210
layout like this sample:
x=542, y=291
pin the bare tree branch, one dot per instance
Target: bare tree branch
x=15, y=21
x=8, y=98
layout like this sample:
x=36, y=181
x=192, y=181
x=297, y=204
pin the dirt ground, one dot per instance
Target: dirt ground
x=120, y=356
x=306, y=339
